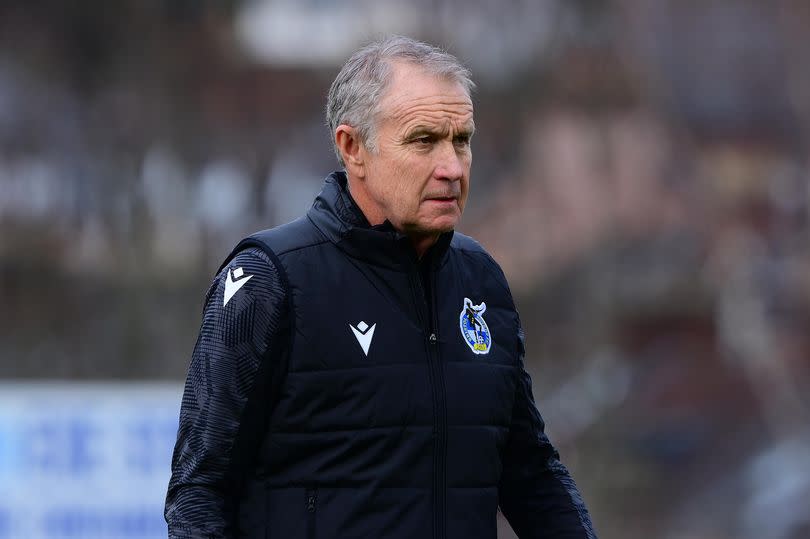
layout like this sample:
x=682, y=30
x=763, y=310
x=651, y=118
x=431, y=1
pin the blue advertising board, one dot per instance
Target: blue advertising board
x=87, y=461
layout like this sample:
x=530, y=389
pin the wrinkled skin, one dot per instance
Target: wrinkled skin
x=418, y=177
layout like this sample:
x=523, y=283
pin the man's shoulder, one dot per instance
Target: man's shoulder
x=291, y=236
x=278, y=241
x=476, y=259
x=462, y=242
x=467, y=245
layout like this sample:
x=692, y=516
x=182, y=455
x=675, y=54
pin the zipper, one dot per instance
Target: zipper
x=428, y=318
x=442, y=401
x=312, y=501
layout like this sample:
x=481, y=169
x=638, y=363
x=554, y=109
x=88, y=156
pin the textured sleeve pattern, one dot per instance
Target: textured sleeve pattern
x=537, y=494
x=243, y=325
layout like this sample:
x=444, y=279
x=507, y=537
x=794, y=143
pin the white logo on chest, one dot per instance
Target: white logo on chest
x=364, y=334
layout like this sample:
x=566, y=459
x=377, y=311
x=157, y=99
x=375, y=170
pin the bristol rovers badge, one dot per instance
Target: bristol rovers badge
x=473, y=327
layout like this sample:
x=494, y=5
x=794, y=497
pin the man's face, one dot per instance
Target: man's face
x=419, y=176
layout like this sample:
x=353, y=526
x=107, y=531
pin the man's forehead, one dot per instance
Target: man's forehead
x=416, y=120
x=410, y=83
x=415, y=94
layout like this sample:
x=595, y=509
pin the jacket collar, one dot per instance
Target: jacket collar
x=338, y=217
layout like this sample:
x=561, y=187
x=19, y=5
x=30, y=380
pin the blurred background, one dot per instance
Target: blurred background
x=640, y=171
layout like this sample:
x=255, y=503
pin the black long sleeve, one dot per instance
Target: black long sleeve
x=242, y=325
x=537, y=494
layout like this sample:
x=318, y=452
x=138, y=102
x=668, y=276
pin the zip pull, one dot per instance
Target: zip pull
x=312, y=498
x=433, y=338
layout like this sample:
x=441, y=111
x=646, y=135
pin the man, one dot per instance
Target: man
x=359, y=371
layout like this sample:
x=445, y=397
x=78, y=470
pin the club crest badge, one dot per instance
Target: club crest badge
x=474, y=328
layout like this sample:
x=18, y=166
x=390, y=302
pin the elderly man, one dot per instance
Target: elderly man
x=359, y=371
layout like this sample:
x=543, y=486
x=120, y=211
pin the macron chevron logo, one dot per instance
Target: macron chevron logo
x=231, y=286
x=364, y=334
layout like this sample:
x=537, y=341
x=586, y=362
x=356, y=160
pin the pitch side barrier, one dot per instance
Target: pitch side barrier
x=87, y=460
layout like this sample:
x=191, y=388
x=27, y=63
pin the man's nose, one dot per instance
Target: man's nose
x=450, y=164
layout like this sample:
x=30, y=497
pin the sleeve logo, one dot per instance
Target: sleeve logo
x=231, y=286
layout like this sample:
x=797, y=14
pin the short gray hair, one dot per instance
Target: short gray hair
x=355, y=93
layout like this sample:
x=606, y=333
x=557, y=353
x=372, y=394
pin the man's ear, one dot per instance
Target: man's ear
x=348, y=143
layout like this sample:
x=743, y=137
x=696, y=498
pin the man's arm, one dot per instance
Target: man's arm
x=537, y=494
x=243, y=330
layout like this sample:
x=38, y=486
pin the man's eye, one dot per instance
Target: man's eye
x=423, y=140
x=462, y=140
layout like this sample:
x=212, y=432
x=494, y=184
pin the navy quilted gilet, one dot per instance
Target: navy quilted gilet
x=406, y=439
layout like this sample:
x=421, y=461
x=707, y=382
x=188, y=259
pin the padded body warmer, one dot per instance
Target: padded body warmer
x=398, y=406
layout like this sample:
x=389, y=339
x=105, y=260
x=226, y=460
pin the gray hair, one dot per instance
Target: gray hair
x=355, y=94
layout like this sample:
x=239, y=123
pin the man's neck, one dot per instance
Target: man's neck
x=422, y=243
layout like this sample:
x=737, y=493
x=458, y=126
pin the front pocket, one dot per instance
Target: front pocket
x=312, y=508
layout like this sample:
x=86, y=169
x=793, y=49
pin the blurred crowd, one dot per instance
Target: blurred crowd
x=640, y=171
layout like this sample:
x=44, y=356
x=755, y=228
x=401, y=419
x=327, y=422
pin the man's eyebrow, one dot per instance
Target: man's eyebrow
x=466, y=130
x=422, y=130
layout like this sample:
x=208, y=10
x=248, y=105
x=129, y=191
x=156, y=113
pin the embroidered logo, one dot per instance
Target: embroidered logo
x=474, y=328
x=364, y=334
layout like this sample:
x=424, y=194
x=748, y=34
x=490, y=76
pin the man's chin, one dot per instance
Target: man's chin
x=434, y=224
x=440, y=226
